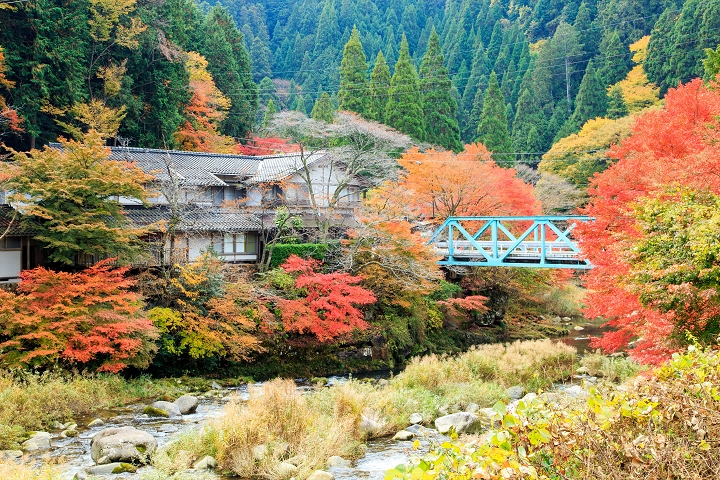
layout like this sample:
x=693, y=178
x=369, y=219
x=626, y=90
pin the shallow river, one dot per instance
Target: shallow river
x=382, y=454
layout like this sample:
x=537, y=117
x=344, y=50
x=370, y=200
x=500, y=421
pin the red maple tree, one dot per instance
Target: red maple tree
x=674, y=146
x=327, y=303
x=89, y=318
x=258, y=147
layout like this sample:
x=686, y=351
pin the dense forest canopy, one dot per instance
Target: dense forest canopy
x=554, y=62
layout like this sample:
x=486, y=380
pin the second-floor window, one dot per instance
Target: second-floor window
x=226, y=194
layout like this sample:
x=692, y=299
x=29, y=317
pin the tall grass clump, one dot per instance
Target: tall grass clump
x=277, y=424
x=34, y=401
x=614, y=369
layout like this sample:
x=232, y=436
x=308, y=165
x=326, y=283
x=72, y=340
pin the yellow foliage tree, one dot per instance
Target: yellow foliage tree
x=581, y=155
x=207, y=108
x=639, y=92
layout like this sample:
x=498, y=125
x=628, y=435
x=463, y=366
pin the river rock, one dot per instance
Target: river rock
x=515, y=393
x=39, y=441
x=578, y=328
x=171, y=408
x=122, y=444
x=187, y=404
x=566, y=319
x=403, y=435
x=462, y=421
x=69, y=433
x=215, y=386
x=205, y=463
x=529, y=398
x=110, y=468
x=81, y=475
x=416, y=418
x=472, y=408
x=96, y=423
x=582, y=370
x=321, y=475
x=337, y=461
x=10, y=454
x=286, y=470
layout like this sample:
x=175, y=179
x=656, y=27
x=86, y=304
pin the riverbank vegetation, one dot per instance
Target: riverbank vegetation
x=660, y=425
x=278, y=422
x=36, y=401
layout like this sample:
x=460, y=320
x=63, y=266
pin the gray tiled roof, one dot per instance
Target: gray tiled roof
x=202, y=169
x=14, y=223
x=192, y=168
x=277, y=167
x=198, y=219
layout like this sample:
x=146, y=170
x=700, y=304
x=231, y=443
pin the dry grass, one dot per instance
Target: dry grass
x=34, y=401
x=308, y=429
x=24, y=471
x=612, y=369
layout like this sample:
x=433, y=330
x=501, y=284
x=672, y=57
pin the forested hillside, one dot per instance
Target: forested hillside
x=553, y=63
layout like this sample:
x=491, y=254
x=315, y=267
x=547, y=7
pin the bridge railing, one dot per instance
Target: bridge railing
x=530, y=241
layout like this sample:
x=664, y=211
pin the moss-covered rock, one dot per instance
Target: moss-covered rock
x=155, y=412
x=125, y=468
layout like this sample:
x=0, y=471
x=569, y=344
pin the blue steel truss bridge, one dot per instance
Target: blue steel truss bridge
x=531, y=242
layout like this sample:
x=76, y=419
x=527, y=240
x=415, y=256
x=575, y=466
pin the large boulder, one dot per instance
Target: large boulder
x=187, y=404
x=171, y=409
x=122, y=444
x=39, y=441
x=516, y=392
x=462, y=421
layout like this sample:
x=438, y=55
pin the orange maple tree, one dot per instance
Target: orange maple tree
x=88, y=319
x=443, y=184
x=207, y=108
x=675, y=146
x=8, y=115
x=326, y=304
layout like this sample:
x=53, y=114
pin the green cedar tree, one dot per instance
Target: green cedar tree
x=353, y=92
x=493, y=129
x=439, y=105
x=404, y=108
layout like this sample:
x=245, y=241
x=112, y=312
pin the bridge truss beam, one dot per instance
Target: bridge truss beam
x=529, y=242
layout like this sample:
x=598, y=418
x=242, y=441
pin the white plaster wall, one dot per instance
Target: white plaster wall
x=10, y=263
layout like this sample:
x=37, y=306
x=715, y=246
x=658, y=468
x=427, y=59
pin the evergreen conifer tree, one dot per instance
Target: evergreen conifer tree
x=439, y=105
x=292, y=97
x=353, y=92
x=301, y=105
x=528, y=116
x=493, y=129
x=379, y=87
x=616, y=59
x=323, y=109
x=591, y=101
x=559, y=118
x=404, y=108
x=270, y=112
x=617, y=108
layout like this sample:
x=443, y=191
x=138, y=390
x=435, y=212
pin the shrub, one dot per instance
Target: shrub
x=89, y=318
x=282, y=252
